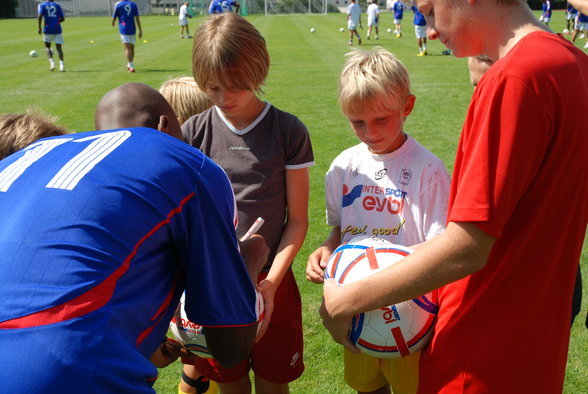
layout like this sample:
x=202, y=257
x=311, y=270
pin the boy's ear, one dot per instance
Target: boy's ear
x=409, y=104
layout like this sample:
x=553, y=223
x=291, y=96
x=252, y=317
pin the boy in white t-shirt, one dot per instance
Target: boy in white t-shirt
x=388, y=186
x=353, y=21
x=373, y=18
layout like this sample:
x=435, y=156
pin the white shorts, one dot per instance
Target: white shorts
x=582, y=26
x=570, y=16
x=374, y=24
x=545, y=19
x=420, y=31
x=397, y=21
x=128, y=38
x=56, y=38
x=351, y=25
x=183, y=21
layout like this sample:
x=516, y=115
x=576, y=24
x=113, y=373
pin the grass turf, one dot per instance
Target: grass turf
x=303, y=78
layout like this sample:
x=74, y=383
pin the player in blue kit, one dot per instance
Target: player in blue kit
x=127, y=13
x=53, y=15
x=103, y=231
x=420, y=31
x=398, y=10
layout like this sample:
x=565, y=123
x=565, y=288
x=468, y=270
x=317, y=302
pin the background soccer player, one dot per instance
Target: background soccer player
x=127, y=13
x=53, y=15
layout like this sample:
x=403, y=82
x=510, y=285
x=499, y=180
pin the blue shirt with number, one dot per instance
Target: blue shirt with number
x=52, y=17
x=126, y=11
x=101, y=233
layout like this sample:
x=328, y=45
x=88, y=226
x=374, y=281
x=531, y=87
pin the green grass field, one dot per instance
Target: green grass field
x=302, y=80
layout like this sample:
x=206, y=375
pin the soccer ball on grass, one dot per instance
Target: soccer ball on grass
x=393, y=331
x=33, y=53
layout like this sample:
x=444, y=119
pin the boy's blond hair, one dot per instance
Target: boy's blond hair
x=20, y=130
x=185, y=97
x=375, y=80
x=231, y=50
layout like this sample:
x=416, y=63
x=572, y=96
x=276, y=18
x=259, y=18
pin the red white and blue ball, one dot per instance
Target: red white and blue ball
x=393, y=331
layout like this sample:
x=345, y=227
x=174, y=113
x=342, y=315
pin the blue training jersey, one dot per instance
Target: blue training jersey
x=52, y=17
x=126, y=11
x=215, y=7
x=419, y=19
x=101, y=233
x=398, y=9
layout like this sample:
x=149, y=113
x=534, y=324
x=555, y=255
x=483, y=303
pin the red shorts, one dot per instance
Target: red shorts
x=277, y=357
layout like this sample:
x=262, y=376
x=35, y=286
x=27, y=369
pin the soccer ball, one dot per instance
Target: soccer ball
x=393, y=331
x=312, y=30
x=341, y=30
x=33, y=53
x=191, y=335
x=389, y=30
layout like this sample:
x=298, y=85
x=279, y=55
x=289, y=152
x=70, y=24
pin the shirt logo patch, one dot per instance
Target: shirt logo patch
x=405, y=176
x=381, y=174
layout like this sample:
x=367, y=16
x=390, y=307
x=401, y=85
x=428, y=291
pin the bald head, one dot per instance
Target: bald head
x=136, y=105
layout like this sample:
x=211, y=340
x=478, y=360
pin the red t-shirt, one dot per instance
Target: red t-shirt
x=521, y=174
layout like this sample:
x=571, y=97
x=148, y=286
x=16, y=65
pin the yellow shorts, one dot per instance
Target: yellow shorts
x=367, y=373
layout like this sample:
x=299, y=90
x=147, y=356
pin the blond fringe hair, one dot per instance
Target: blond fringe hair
x=185, y=97
x=373, y=80
x=18, y=131
x=230, y=50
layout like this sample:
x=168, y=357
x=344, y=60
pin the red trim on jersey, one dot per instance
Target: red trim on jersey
x=94, y=298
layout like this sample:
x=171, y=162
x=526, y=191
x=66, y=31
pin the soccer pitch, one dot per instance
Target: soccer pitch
x=303, y=80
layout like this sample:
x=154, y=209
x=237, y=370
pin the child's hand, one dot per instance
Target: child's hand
x=317, y=262
x=254, y=251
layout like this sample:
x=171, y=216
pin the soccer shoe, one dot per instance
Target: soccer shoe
x=446, y=52
x=131, y=69
x=350, y=42
x=181, y=36
x=421, y=54
x=398, y=35
x=359, y=41
x=62, y=68
x=377, y=37
x=189, y=36
x=368, y=36
x=51, y=66
x=425, y=53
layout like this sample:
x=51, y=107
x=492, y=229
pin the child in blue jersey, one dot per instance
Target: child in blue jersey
x=420, y=31
x=124, y=219
x=266, y=153
x=128, y=15
x=53, y=15
x=398, y=10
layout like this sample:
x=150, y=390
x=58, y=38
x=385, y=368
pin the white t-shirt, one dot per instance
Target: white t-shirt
x=372, y=14
x=400, y=196
x=353, y=12
x=183, y=14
